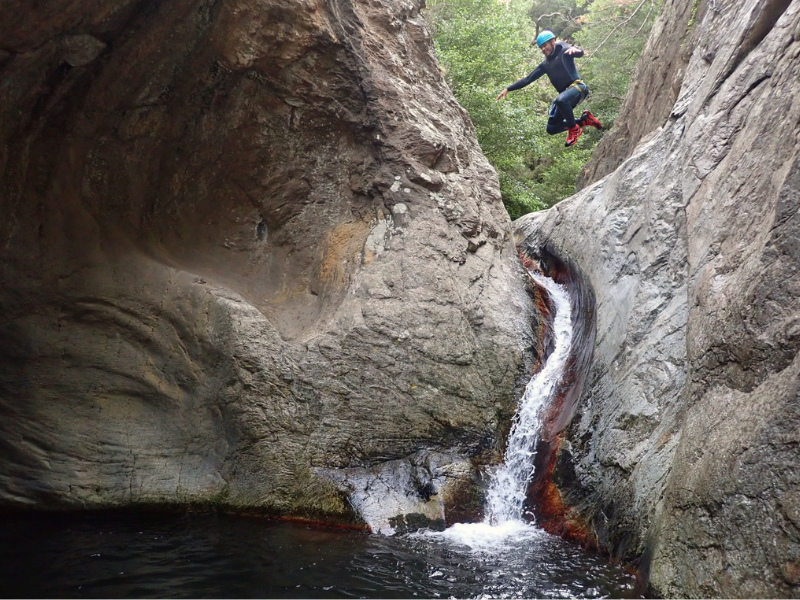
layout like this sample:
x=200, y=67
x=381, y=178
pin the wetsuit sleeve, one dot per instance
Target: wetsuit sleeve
x=534, y=75
x=579, y=52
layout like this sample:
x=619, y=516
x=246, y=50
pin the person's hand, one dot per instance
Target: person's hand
x=502, y=95
x=573, y=50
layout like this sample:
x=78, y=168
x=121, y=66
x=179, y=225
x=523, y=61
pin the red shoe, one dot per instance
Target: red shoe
x=574, y=134
x=587, y=119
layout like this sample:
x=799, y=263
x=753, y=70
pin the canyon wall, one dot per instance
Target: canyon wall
x=682, y=453
x=252, y=258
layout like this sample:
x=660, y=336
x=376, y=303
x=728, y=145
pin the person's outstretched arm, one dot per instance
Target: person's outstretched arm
x=521, y=83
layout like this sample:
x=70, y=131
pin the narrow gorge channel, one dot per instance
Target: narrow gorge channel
x=255, y=263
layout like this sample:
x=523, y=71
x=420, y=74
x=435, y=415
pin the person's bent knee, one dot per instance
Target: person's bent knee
x=563, y=106
x=554, y=129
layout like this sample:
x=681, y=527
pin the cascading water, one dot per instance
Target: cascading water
x=509, y=483
x=390, y=489
x=504, y=529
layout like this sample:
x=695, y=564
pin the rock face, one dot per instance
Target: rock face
x=656, y=83
x=245, y=245
x=684, y=448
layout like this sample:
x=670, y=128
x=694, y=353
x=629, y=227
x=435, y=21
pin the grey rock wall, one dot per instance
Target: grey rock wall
x=683, y=453
x=244, y=244
x=656, y=83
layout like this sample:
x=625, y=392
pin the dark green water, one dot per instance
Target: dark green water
x=200, y=556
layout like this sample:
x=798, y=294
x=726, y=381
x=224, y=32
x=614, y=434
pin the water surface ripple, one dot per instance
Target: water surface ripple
x=202, y=556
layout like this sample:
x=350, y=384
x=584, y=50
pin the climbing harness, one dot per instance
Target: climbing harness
x=581, y=86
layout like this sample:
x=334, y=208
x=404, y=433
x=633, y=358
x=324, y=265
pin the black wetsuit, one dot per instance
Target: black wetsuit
x=560, y=69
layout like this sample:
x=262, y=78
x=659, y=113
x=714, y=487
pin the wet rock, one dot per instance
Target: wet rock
x=80, y=50
x=225, y=265
x=416, y=521
x=684, y=447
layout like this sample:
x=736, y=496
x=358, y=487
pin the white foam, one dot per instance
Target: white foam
x=484, y=537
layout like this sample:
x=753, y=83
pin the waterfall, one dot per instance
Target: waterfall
x=383, y=492
x=509, y=482
x=503, y=529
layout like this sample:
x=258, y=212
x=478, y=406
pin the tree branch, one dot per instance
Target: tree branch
x=620, y=24
x=644, y=21
x=566, y=17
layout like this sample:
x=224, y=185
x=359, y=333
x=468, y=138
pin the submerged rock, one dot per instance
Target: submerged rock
x=683, y=452
x=244, y=244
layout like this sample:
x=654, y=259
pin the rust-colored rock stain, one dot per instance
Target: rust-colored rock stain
x=545, y=500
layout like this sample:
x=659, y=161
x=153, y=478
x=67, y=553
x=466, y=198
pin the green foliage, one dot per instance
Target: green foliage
x=485, y=45
x=614, y=31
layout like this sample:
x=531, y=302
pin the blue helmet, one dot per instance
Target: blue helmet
x=544, y=37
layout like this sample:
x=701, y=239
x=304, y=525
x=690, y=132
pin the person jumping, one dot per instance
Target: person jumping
x=559, y=66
